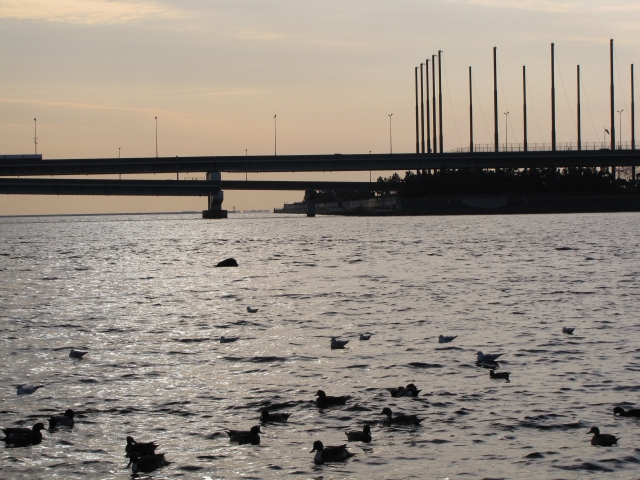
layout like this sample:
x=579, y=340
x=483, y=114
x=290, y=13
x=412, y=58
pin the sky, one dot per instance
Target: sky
x=96, y=73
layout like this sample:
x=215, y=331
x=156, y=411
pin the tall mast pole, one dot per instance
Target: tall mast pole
x=579, y=120
x=495, y=99
x=613, y=108
x=633, y=124
x=422, y=106
x=433, y=77
x=470, y=113
x=553, y=99
x=417, y=115
x=440, y=99
x=428, y=108
x=524, y=106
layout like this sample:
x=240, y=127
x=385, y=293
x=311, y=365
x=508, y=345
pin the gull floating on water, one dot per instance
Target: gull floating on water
x=228, y=339
x=446, y=338
x=568, y=329
x=365, y=337
x=252, y=310
x=338, y=343
x=488, y=357
x=76, y=353
x=329, y=454
x=27, y=389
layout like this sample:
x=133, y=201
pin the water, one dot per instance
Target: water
x=142, y=295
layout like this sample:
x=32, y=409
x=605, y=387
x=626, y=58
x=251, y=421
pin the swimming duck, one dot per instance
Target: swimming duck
x=324, y=400
x=338, y=343
x=499, y=375
x=274, y=417
x=76, y=353
x=399, y=419
x=329, y=454
x=632, y=412
x=228, y=339
x=65, y=420
x=602, y=439
x=24, y=436
x=408, y=391
x=242, y=436
x=365, y=337
x=363, y=436
x=139, y=448
x=27, y=389
x=568, y=330
x=252, y=310
x=147, y=463
x=488, y=357
x=447, y=338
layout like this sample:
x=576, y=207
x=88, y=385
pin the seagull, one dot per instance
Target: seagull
x=65, y=420
x=243, y=437
x=147, y=463
x=324, y=400
x=633, y=412
x=338, y=343
x=499, y=375
x=76, y=353
x=602, y=439
x=488, y=357
x=446, y=338
x=274, y=417
x=27, y=389
x=228, y=339
x=24, y=436
x=139, y=448
x=400, y=419
x=365, y=337
x=568, y=329
x=329, y=454
x=252, y=310
x=363, y=436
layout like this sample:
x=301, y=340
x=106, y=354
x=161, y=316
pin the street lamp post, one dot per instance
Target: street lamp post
x=156, y=137
x=620, y=130
x=35, y=134
x=506, y=131
x=120, y=178
x=275, y=136
x=390, y=136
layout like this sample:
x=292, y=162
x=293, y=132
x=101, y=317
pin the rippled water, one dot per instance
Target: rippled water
x=142, y=295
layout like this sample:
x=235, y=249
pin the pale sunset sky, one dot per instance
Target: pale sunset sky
x=95, y=73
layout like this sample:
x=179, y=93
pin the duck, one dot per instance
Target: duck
x=252, y=310
x=228, y=339
x=274, y=417
x=408, y=391
x=27, y=389
x=324, y=400
x=65, y=420
x=147, y=463
x=139, y=448
x=329, y=454
x=400, y=419
x=499, y=375
x=632, y=412
x=568, y=330
x=602, y=439
x=365, y=337
x=447, y=338
x=76, y=353
x=242, y=436
x=338, y=343
x=488, y=357
x=24, y=436
x=363, y=436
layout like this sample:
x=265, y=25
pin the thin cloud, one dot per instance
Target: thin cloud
x=558, y=6
x=85, y=12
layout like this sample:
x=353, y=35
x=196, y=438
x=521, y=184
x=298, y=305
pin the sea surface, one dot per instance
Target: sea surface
x=143, y=296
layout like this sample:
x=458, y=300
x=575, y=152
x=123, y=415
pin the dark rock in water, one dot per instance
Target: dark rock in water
x=229, y=262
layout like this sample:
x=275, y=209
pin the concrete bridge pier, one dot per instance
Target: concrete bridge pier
x=216, y=196
x=311, y=203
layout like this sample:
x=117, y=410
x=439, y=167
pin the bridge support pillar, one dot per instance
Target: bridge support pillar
x=216, y=196
x=311, y=203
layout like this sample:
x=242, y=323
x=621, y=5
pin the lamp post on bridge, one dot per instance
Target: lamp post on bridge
x=120, y=177
x=390, y=136
x=620, y=130
x=275, y=136
x=506, y=131
x=35, y=134
x=156, y=137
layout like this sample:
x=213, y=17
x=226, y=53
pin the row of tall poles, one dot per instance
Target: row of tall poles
x=433, y=108
x=438, y=141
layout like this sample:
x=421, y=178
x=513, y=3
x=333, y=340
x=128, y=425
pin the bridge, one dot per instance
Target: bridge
x=213, y=166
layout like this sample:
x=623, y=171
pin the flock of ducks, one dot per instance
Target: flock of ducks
x=143, y=458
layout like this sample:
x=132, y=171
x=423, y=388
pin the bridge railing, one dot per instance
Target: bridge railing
x=544, y=147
